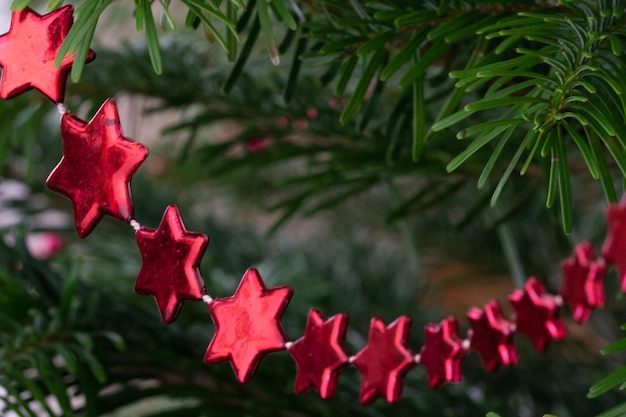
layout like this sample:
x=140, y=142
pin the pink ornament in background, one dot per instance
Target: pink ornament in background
x=319, y=354
x=385, y=360
x=491, y=336
x=28, y=52
x=96, y=168
x=583, y=281
x=614, y=248
x=247, y=325
x=44, y=245
x=537, y=315
x=442, y=352
x=171, y=264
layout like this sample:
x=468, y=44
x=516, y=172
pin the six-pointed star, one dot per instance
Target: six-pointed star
x=171, y=258
x=28, y=51
x=97, y=165
x=247, y=325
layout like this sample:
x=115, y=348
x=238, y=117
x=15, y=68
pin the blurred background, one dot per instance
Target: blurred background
x=339, y=211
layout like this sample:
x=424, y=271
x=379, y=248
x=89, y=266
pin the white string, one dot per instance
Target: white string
x=207, y=299
x=558, y=300
x=135, y=225
x=417, y=358
x=466, y=344
x=61, y=108
x=288, y=345
x=351, y=359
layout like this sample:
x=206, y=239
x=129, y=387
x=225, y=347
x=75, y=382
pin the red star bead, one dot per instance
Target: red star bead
x=385, y=360
x=171, y=257
x=97, y=165
x=583, y=287
x=442, y=352
x=491, y=336
x=537, y=315
x=28, y=52
x=247, y=325
x=319, y=354
x=614, y=248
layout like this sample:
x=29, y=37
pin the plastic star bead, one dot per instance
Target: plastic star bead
x=247, y=325
x=442, y=352
x=583, y=287
x=97, y=165
x=385, y=360
x=537, y=315
x=491, y=336
x=171, y=257
x=319, y=354
x=614, y=248
x=28, y=52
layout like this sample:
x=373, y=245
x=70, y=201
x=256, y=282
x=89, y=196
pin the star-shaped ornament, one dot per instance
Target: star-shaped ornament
x=247, y=325
x=320, y=354
x=96, y=168
x=28, y=51
x=442, y=352
x=385, y=360
x=171, y=257
x=491, y=336
x=583, y=286
x=537, y=315
x=614, y=247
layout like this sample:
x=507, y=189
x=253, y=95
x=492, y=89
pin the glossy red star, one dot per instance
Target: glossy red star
x=320, y=354
x=442, y=352
x=171, y=257
x=491, y=336
x=385, y=360
x=583, y=286
x=28, y=52
x=537, y=315
x=247, y=325
x=96, y=168
x=614, y=248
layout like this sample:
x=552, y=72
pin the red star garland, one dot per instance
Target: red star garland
x=442, y=352
x=320, y=354
x=95, y=173
x=171, y=258
x=491, y=336
x=385, y=360
x=614, y=248
x=537, y=315
x=583, y=286
x=97, y=165
x=247, y=325
x=28, y=51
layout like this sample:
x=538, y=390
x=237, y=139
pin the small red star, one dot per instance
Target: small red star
x=171, y=257
x=583, y=287
x=614, y=248
x=97, y=165
x=385, y=360
x=442, y=352
x=247, y=325
x=537, y=315
x=28, y=52
x=491, y=336
x=319, y=354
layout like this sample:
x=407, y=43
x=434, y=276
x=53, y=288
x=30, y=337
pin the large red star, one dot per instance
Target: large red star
x=442, y=352
x=491, y=336
x=28, y=52
x=319, y=354
x=385, y=360
x=537, y=315
x=583, y=286
x=247, y=325
x=171, y=257
x=614, y=248
x=97, y=165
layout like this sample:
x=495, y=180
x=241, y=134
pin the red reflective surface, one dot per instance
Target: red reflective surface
x=385, y=360
x=170, y=270
x=614, y=248
x=247, y=325
x=442, y=352
x=320, y=354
